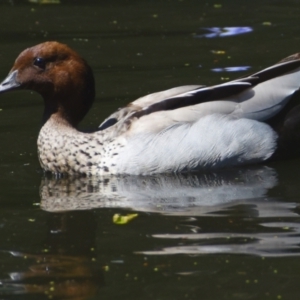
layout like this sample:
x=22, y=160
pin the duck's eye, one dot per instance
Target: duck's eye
x=40, y=62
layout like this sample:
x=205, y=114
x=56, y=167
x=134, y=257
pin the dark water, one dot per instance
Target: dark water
x=232, y=234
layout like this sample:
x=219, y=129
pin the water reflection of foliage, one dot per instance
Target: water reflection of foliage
x=66, y=268
x=214, y=32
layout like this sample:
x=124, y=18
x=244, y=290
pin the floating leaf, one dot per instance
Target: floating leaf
x=121, y=220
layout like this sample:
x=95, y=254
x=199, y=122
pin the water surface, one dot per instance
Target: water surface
x=232, y=234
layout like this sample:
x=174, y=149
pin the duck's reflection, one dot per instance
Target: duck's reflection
x=66, y=268
x=190, y=194
x=229, y=211
x=237, y=193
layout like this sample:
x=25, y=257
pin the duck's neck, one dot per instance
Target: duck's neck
x=64, y=149
x=69, y=108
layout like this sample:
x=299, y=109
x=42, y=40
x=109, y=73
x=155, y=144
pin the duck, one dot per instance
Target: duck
x=250, y=120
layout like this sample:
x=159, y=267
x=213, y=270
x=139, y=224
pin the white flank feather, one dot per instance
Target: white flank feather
x=212, y=142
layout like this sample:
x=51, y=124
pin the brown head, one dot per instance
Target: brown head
x=60, y=75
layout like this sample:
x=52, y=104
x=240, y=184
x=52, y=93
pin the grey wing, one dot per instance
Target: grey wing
x=258, y=96
x=175, y=98
x=144, y=102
